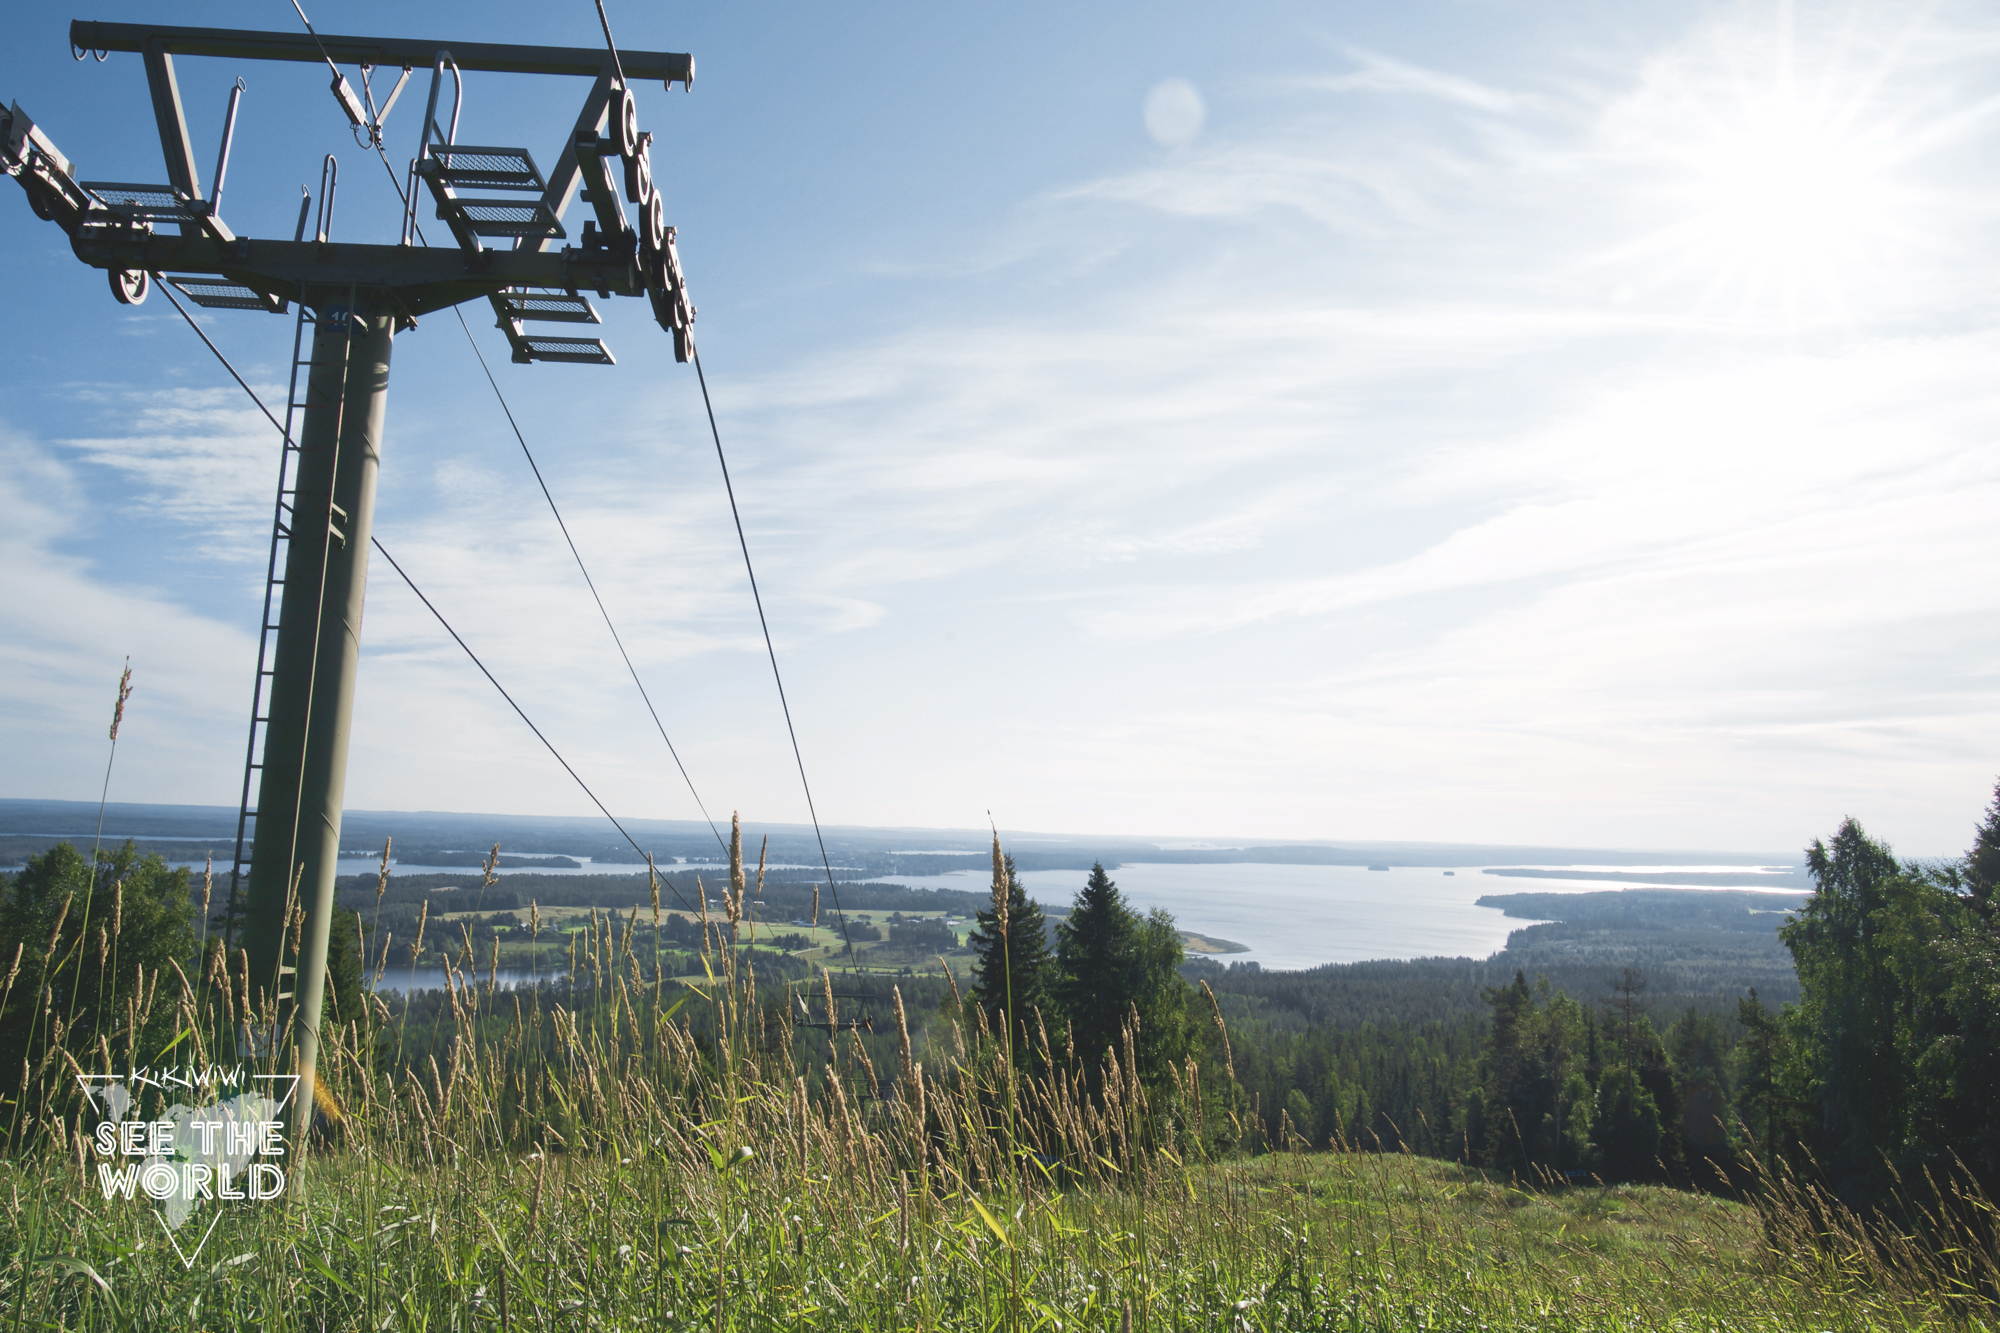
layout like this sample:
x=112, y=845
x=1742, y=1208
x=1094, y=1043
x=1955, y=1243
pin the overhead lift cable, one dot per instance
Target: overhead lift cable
x=592, y=585
x=742, y=541
x=428, y=605
x=375, y=141
x=757, y=597
x=589, y=582
x=765, y=625
x=432, y=608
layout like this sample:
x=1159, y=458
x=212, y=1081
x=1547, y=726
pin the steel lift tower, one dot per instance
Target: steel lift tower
x=355, y=299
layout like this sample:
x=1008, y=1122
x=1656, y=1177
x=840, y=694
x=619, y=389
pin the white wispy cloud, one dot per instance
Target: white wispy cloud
x=71, y=618
x=1456, y=469
x=1378, y=73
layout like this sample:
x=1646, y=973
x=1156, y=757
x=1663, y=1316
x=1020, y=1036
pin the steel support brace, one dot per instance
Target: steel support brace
x=312, y=687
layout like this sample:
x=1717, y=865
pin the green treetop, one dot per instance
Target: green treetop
x=1111, y=963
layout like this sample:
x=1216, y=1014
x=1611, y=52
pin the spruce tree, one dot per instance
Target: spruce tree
x=1027, y=957
x=1095, y=957
x=1112, y=962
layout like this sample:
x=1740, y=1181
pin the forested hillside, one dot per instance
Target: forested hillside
x=1637, y=1038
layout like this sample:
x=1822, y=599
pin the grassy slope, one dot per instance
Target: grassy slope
x=745, y=1176
x=1335, y=1242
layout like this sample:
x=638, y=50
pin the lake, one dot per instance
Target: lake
x=1304, y=916
x=403, y=979
x=369, y=865
x=1291, y=916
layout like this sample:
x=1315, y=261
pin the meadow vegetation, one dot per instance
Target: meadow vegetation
x=621, y=1149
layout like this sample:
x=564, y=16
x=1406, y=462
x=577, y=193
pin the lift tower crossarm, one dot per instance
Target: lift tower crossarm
x=230, y=44
x=418, y=280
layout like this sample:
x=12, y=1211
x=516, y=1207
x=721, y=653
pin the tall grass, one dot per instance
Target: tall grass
x=625, y=1152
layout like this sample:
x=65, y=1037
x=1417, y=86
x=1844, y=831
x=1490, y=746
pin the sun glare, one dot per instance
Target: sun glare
x=1772, y=186
x=1788, y=192
x=1789, y=205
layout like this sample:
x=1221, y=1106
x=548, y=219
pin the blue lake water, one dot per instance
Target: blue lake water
x=403, y=979
x=1291, y=916
x=1303, y=916
x=367, y=865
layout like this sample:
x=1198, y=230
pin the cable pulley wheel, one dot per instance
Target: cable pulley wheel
x=655, y=221
x=625, y=123
x=661, y=294
x=639, y=174
x=129, y=285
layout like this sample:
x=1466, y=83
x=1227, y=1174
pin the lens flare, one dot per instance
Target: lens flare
x=1773, y=179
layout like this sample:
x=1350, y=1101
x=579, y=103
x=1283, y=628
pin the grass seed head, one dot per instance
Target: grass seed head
x=55, y=935
x=1000, y=886
x=734, y=898
x=1215, y=1007
x=902, y=1030
x=124, y=693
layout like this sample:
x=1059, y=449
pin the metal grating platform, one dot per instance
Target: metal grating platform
x=217, y=294
x=463, y=165
x=141, y=203
x=548, y=303
x=582, y=351
x=504, y=217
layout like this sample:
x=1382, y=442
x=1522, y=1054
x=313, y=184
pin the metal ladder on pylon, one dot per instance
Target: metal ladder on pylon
x=281, y=536
x=282, y=515
x=282, y=518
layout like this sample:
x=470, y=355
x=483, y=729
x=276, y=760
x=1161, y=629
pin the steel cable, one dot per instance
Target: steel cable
x=432, y=608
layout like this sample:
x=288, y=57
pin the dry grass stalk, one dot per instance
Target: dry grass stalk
x=1000, y=887
x=1215, y=1007
x=732, y=900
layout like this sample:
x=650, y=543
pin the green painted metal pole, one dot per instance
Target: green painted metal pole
x=312, y=684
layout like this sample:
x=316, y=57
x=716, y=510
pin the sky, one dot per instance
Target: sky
x=1479, y=421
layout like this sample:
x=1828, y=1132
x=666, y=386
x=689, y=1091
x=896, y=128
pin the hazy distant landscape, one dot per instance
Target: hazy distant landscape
x=1285, y=907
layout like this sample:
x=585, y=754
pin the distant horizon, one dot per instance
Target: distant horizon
x=1164, y=842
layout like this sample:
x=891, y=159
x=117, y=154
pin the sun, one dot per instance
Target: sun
x=1792, y=202
x=1771, y=184
x=1788, y=190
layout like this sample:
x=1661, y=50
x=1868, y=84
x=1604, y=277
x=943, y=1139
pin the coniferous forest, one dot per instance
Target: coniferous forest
x=1876, y=1067
x=1879, y=1076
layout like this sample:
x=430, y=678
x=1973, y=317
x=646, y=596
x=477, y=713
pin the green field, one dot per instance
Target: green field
x=660, y=1237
